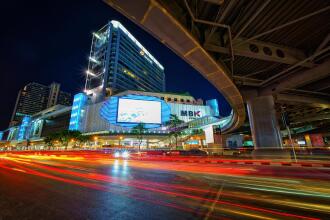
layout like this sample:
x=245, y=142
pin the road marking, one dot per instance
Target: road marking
x=214, y=202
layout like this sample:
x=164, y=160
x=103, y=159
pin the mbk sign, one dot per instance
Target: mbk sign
x=190, y=113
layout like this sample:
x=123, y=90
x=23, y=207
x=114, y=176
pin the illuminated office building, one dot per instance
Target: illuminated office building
x=35, y=97
x=118, y=62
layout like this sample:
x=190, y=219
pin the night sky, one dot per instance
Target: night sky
x=49, y=41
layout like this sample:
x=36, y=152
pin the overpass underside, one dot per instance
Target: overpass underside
x=271, y=55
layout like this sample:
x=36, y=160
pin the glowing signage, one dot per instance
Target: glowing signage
x=139, y=111
x=23, y=128
x=190, y=113
x=79, y=102
x=128, y=111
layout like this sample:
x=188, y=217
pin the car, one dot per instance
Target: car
x=121, y=154
x=193, y=152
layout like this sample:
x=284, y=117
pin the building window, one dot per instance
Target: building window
x=188, y=100
x=162, y=98
x=169, y=99
x=175, y=99
x=181, y=100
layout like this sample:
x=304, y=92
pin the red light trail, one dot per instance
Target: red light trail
x=69, y=170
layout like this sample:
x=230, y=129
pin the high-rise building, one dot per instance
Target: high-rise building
x=118, y=62
x=35, y=97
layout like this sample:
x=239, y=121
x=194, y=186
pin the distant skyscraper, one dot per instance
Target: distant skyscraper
x=119, y=62
x=35, y=97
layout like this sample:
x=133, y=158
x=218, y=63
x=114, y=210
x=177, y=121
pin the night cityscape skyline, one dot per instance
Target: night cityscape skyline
x=56, y=48
x=158, y=109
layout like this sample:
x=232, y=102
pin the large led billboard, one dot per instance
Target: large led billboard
x=139, y=111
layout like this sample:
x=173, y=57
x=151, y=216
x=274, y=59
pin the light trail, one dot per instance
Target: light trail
x=47, y=164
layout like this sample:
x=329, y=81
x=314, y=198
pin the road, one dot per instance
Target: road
x=82, y=186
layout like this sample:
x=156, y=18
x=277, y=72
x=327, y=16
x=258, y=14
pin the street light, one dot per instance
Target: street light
x=120, y=138
x=95, y=139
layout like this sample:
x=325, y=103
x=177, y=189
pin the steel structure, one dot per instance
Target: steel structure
x=278, y=48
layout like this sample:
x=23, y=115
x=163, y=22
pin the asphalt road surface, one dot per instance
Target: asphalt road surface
x=76, y=186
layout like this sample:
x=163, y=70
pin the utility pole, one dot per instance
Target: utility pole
x=286, y=122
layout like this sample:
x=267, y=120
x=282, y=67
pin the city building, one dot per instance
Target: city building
x=37, y=126
x=35, y=97
x=113, y=119
x=118, y=62
x=118, y=114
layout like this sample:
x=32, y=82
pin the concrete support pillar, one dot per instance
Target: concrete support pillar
x=264, y=125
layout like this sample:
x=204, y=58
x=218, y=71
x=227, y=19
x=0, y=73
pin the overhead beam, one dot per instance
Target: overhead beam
x=298, y=79
x=306, y=92
x=287, y=71
x=256, y=50
x=217, y=2
x=305, y=110
x=323, y=43
x=220, y=20
x=296, y=99
x=318, y=86
x=269, y=68
x=288, y=24
x=247, y=23
x=312, y=118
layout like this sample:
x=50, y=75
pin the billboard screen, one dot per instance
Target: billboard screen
x=139, y=111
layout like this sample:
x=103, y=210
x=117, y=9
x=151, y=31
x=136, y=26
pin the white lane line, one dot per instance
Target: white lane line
x=207, y=216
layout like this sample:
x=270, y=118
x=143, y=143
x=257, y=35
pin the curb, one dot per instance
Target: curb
x=237, y=162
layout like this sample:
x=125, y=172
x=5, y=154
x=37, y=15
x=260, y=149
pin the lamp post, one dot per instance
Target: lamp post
x=72, y=140
x=286, y=122
x=120, y=139
x=95, y=140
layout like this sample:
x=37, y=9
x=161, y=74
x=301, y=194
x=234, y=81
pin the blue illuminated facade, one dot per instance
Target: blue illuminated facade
x=36, y=128
x=77, y=112
x=119, y=62
x=213, y=103
x=13, y=133
x=1, y=135
x=109, y=110
x=23, y=128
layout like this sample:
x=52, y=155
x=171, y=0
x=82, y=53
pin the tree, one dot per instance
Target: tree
x=48, y=141
x=64, y=137
x=139, y=131
x=175, y=130
x=83, y=139
x=28, y=142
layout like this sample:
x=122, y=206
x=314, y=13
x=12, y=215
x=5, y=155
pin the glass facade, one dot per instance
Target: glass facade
x=119, y=62
x=36, y=128
x=77, y=111
x=13, y=132
x=23, y=128
x=213, y=103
